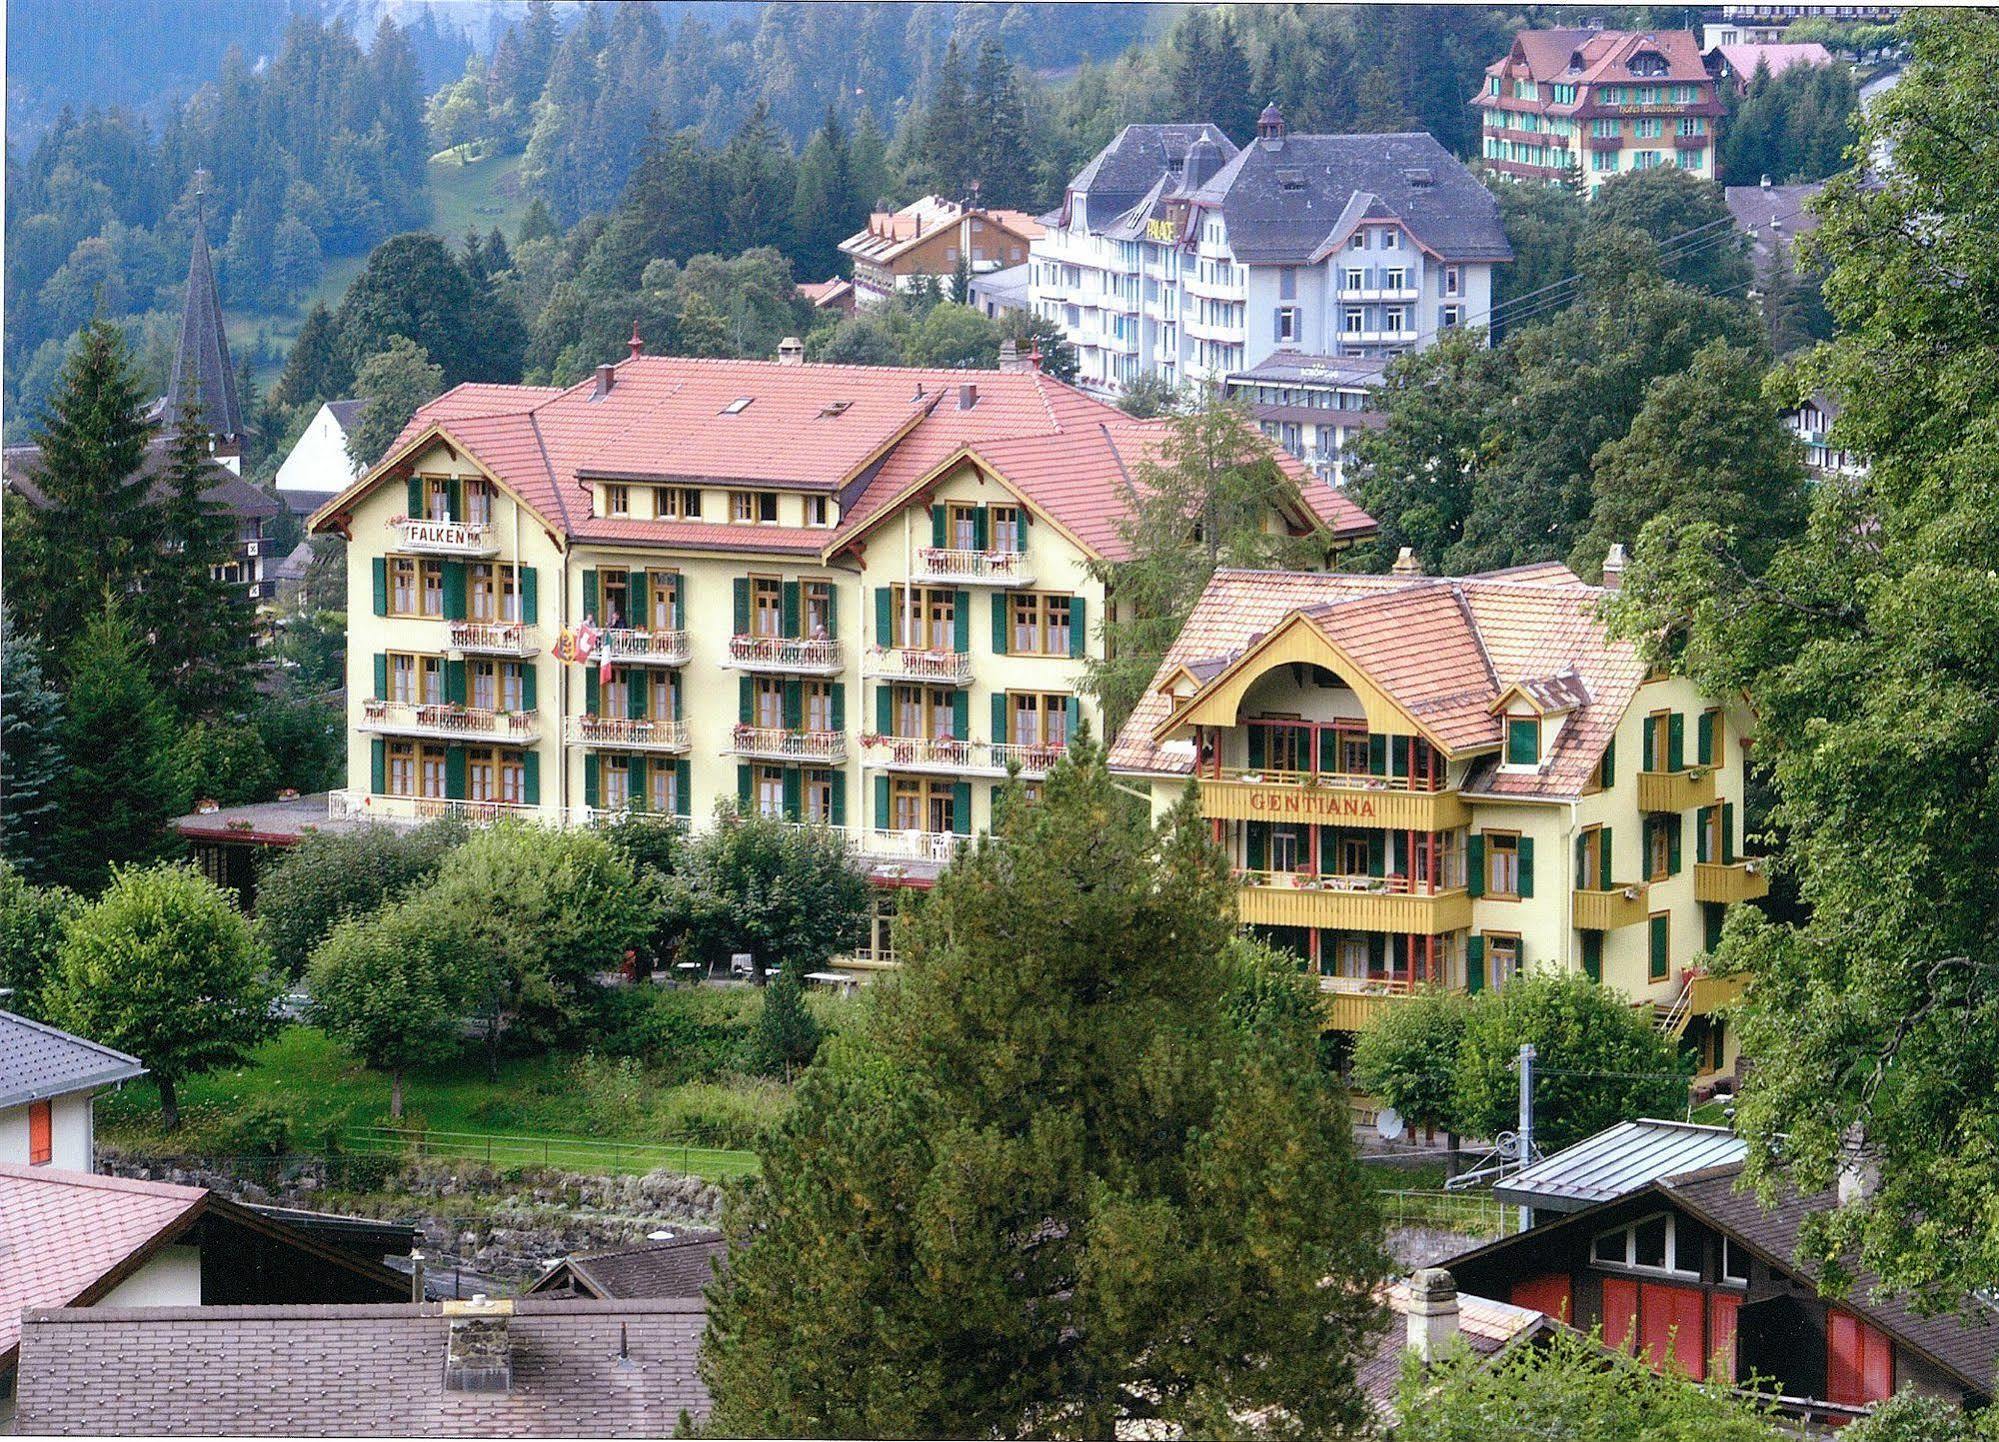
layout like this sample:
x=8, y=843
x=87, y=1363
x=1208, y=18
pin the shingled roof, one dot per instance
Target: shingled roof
x=1588, y=57
x=678, y=1266
x=602, y=1369
x=21, y=467
x=1444, y=649
x=37, y=1061
x=1290, y=199
x=201, y=360
x=869, y=434
x=1138, y=156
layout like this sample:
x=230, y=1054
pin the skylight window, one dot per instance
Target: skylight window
x=1290, y=180
x=737, y=406
x=835, y=408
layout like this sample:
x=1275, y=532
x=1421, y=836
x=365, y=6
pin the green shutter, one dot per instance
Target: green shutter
x=1377, y=854
x=999, y=735
x=636, y=788
x=832, y=611
x=590, y=778
x=454, y=773
x=961, y=715
x=884, y=817
x=1593, y=955
x=937, y=527
x=680, y=602
x=1259, y=741
x=961, y=807
x=746, y=699
x=961, y=622
x=531, y=777
x=838, y=705
x=884, y=617
x=743, y=789
x=1377, y=753
x=1676, y=827
x=1727, y=832
x=1255, y=842
x=1676, y=742
x=636, y=686
x=454, y=590
x=1398, y=757
x=1701, y=855
x=1475, y=865
x=1079, y=626
x=1074, y=706
x=638, y=600
x=1658, y=962
x=454, y=492
x=381, y=676
x=979, y=529
x=678, y=690
x=454, y=682
x=530, y=595
x=789, y=592
x=1377, y=952
x=414, y=498
x=742, y=606
x=683, y=787
x=793, y=708
x=1001, y=602
x=590, y=689
x=1526, y=867
x=1603, y=859
x=1329, y=750
x=1704, y=737
x=884, y=710
x=1712, y=918
x=380, y=567
x=378, y=765
x=794, y=794
x=590, y=593
x=1582, y=861
x=1610, y=763
x=528, y=686
x=1474, y=964
x=839, y=790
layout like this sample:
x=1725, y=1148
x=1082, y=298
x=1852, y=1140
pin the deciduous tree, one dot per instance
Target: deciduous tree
x=393, y=990
x=393, y=383
x=312, y=887
x=1408, y=1058
x=787, y=895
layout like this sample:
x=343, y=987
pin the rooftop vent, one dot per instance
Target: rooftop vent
x=1420, y=177
x=1614, y=562
x=1407, y=563
x=968, y=396
x=790, y=351
x=737, y=406
x=835, y=408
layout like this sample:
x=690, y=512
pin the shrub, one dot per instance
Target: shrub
x=683, y=1034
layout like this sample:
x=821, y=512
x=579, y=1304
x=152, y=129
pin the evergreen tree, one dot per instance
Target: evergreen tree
x=414, y=286
x=1004, y=167
x=785, y=1037
x=97, y=525
x=31, y=760
x=1208, y=74
x=1078, y=1172
x=759, y=183
x=870, y=162
x=116, y=793
x=950, y=130
x=1667, y=204
x=825, y=207
x=317, y=369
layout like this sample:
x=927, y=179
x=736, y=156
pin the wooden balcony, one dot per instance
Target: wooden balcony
x=1621, y=905
x=446, y=722
x=1355, y=1003
x=943, y=566
x=628, y=647
x=1728, y=882
x=906, y=663
x=1330, y=799
x=494, y=638
x=419, y=537
x=793, y=655
x=636, y=733
x=1350, y=903
x=776, y=743
x=1684, y=790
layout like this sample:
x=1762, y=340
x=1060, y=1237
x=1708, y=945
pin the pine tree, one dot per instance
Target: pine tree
x=759, y=180
x=116, y=790
x=950, y=138
x=31, y=763
x=825, y=207
x=1004, y=165
x=870, y=161
x=97, y=525
x=317, y=370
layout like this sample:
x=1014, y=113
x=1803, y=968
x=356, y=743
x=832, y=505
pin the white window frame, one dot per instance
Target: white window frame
x=1630, y=1234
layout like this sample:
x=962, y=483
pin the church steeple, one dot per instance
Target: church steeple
x=201, y=361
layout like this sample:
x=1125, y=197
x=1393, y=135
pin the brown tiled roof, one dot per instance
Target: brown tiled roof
x=870, y=433
x=1443, y=648
x=679, y=1267
x=1606, y=55
x=1487, y=1327
x=605, y=1369
x=21, y=465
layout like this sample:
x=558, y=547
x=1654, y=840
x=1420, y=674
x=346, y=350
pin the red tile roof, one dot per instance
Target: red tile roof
x=1606, y=55
x=1445, y=649
x=869, y=432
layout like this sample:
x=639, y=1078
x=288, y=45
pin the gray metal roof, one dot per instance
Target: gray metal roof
x=37, y=1061
x=1123, y=172
x=1006, y=285
x=1628, y=1157
x=1304, y=368
x=1284, y=198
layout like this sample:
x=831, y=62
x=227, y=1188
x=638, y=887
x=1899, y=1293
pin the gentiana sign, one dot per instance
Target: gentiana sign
x=1328, y=804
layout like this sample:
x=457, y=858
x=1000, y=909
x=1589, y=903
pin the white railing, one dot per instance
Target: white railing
x=1033, y=758
x=991, y=568
x=448, y=721
x=612, y=815
x=499, y=638
x=911, y=845
x=783, y=744
x=944, y=753
x=902, y=663
x=640, y=732
x=445, y=538
x=352, y=805
x=661, y=648
x=784, y=653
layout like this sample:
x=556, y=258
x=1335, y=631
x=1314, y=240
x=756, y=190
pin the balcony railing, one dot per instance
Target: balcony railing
x=656, y=648
x=495, y=638
x=447, y=721
x=777, y=743
x=785, y=653
x=1033, y=758
x=946, y=755
x=1354, y=1003
x=1623, y=904
x=1372, y=292
x=1727, y=882
x=1403, y=803
x=445, y=538
x=1352, y=903
x=1685, y=790
x=943, y=565
x=349, y=805
x=640, y=733
x=903, y=663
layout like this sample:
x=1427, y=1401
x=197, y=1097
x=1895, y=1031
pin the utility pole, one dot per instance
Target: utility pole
x=1526, y=1129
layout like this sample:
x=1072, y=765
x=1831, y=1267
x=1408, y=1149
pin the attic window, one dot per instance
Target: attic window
x=1575, y=60
x=1290, y=179
x=737, y=406
x=1419, y=178
x=835, y=408
x=1648, y=62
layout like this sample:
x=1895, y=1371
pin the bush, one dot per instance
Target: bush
x=682, y=1034
x=31, y=923
x=311, y=888
x=713, y=1114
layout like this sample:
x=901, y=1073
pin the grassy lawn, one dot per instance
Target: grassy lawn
x=543, y=1109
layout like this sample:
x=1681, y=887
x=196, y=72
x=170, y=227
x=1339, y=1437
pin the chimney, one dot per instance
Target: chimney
x=791, y=351
x=607, y=376
x=1859, y=1171
x=968, y=396
x=1406, y=563
x=1766, y=182
x=1010, y=361
x=478, y=1356
x=1433, y=1312
x=1614, y=562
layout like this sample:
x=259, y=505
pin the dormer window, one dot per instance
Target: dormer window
x=1290, y=181
x=1648, y=63
x=1523, y=740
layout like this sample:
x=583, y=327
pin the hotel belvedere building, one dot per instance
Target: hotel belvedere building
x=1429, y=780
x=838, y=594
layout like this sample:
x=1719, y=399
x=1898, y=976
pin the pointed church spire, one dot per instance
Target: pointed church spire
x=201, y=361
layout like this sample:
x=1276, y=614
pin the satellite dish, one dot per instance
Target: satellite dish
x=1388, y=1124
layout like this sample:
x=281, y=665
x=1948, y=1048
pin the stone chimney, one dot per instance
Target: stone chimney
x=1433, y=1312
x=1407, y=563
x=791, y=351
x=968, y=396
x=478, y=1355
x=1614, y=562
x=607, y=376
x=1009, y=356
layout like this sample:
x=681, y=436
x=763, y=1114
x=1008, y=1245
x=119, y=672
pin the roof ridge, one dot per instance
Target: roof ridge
x=1478, y=637
x=101, y=1181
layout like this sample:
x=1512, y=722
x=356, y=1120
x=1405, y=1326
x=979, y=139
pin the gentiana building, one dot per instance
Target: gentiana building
x=1448, y=781
x=848, y=595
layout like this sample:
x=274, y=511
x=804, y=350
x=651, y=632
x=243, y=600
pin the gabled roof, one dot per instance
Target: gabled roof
x=1604, y=55
x=1441, y=649
x=21, y=466
x=1742, y=60
x=606, y=1369
x=891, y=235
x=1487, y=1327
x=201, y=360
x=1285, y=200
x=1137, y=158
x=37, y=1061
x=678, y=1266
x=346, y=413
x=1614, y=1163
x=873, y=435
